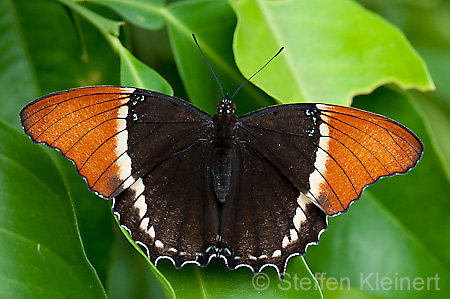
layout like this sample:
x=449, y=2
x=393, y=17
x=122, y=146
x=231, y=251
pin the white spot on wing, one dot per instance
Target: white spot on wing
x=159, y=244
x=141, y=205
x=302, y=201
x=276, y=253
x=128, y=182
x=127, y=89
x=121, y=144
x=285, y=242
x=151, y=232
x=123, y=112
x=144, y=223
x=316, y=179
x=294, y=235
x=138, y=187
x=124, y=161
x=299, y=217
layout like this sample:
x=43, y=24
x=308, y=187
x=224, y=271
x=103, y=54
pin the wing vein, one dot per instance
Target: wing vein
x=382, y=127
x=376, y=140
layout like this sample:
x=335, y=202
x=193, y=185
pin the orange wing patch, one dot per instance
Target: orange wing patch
x=356, y=148
x=88, y=125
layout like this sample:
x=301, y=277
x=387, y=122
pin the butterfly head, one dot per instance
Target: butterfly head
x=226, y=106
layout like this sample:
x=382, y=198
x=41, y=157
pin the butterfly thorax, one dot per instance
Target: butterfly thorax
x=223, y=153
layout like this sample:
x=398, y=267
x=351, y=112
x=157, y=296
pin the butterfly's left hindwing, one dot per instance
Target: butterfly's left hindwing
x=171, y=209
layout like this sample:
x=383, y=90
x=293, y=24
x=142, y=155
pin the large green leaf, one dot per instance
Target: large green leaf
x=335, y=49
x=135, y=73
x=41, y=254
x=372, y=253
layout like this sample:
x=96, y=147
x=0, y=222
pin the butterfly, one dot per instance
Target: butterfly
x=254, y=190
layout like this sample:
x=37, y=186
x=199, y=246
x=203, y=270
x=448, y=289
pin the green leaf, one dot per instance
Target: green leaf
x=335, y=49
x=396, y=229
x=135, y=73
x=142, y=13
x=49, y=61
x=437, y=116
x=16, y=79
x=168, y=290
x=425, y=23
x=94, y=218
x=438, y=60
x=104, y=25
x=369, y=245
x=40, y=249
x=436, y=105
x=215, y=42
x=131, y=276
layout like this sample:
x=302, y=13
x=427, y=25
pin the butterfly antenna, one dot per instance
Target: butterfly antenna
x=195, y=39
x=279, y=51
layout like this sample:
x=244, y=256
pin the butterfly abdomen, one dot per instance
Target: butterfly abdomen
x=221, y=165
x=223, y=153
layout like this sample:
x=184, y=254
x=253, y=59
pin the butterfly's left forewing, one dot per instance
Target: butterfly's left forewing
x=113, y=134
